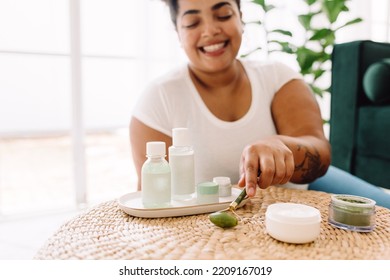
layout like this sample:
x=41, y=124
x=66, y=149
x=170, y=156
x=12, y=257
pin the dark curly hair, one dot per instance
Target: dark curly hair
x=174, y=8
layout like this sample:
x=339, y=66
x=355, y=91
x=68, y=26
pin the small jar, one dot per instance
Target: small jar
x=292, y=222
x=352, y=212
x=225, y=186
x=207, y=193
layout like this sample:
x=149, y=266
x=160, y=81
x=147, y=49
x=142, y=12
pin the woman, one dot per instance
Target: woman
x=257, y=123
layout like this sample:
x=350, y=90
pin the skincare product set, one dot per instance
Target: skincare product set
x=162, y=182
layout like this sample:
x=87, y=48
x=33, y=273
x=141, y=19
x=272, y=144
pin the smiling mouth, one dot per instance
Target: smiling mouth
x=214, y=48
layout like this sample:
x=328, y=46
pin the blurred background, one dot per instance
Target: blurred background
x=70, y=73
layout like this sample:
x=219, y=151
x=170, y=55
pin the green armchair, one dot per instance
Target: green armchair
x=360, y=110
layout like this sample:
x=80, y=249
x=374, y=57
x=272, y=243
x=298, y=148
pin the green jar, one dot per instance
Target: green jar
x=207, y=193
x=352, y=212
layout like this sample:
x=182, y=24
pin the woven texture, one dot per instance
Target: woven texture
x=106, y=232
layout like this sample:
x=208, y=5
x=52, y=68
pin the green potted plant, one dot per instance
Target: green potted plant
x=319, y=24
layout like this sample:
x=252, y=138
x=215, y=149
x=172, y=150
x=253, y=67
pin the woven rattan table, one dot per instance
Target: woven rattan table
x=106, y=232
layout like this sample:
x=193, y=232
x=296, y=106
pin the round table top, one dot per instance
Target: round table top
x=106, y=232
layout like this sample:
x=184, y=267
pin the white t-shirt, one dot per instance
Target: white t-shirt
x=173, y=101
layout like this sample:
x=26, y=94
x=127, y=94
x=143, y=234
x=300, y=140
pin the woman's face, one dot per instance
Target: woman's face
x=210, y=31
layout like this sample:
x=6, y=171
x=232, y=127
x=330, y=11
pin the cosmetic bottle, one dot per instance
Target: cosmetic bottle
x=181, y=161
x=156, y=177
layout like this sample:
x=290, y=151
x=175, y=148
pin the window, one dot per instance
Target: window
x=121, y=49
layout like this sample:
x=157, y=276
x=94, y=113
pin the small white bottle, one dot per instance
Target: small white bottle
x=225, y=186
x=181, y=161
x=156, y=177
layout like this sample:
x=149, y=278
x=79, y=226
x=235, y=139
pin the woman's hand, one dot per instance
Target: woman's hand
x=265, y=163
x=299, y=153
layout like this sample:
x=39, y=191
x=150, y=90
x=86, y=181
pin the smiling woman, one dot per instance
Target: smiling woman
x=245, y=117
x=209, y=33
x=242, y=104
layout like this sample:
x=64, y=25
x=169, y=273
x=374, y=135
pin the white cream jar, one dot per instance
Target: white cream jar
x=225, y=186
x=292, y=222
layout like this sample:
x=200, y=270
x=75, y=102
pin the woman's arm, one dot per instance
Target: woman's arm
x=140, y=134
x=300, y=152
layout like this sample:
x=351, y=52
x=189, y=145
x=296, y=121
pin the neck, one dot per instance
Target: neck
x=212, y=80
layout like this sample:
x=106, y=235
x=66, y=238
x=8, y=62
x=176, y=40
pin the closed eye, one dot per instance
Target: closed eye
x=191, y=25
x=223, y=18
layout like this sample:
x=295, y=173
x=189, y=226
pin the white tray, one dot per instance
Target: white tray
x=131, y=204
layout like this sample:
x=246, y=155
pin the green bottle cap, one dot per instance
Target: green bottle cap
x=207, y=188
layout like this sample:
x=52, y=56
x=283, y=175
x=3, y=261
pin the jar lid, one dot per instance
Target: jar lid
x=222, y=181
x=353, y=200
x=207, y=188
x=293, y=213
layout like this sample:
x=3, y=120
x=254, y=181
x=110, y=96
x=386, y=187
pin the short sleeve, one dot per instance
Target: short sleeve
x=152, y=109
x=284, y=74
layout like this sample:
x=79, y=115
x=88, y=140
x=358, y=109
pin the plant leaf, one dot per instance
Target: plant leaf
x=305, y=20
x=306, y=57
x=329, y=40
x=260, y=3
x=317, y=90
x=354, y=21
x=320, y=34
x=263, y=5
x=333, y=8
x=269, y=8
x=318, y=73
x=286, y=46
x=310, y=2
x=281, y=31
x=249, y=53
x=254, y=22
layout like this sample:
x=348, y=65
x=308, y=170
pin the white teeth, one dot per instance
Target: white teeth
x=213, y=48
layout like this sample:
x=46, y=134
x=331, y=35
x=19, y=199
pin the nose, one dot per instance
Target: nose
x=211, y=28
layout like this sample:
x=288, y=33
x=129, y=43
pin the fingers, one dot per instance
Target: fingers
x=249, y=170
x=290, y=167
x=276, y=164
x=277, y=169
x=241, y=181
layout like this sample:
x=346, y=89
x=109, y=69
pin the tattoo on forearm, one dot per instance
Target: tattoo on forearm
x=311, y=166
